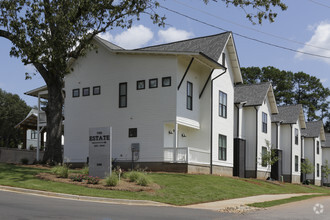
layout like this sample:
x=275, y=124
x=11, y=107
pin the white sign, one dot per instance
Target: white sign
x=100, y=145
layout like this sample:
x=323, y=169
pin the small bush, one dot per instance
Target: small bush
x=134, y=176
x=143, y=180
x=77, y=178
x=24, y=161
x=85, y=170
x=92, y=180
x=125, y=175
x=111, y=180
x=61, y=171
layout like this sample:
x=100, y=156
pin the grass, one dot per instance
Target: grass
x=176, y=189
x=283, y=201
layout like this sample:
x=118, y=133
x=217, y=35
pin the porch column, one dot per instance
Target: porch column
x=38, y=129
x=302, y=147
x=240, y=121
x=175, y=141
x=278, y=141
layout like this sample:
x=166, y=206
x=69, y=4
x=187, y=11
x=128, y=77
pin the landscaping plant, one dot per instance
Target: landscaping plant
x=111, y=180
x=61, y=171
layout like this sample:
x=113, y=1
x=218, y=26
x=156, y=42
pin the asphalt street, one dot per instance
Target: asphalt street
x=21, y=206
x=27, y=207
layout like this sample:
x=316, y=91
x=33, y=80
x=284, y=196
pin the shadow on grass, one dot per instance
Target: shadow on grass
x=11, y=172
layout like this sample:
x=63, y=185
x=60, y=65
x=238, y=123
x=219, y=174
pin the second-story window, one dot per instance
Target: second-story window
x=317, y=147
x=222, y=104
x=86, y=91
x=189, y=95
x=122, y=95
x=296, y=136
x=75, y=93
x=264, y=122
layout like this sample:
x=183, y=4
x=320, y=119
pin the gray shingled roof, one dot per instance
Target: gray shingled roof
x=326, y=143
x=313, y=129
x=109, y=44
x=288, y=114
x=253, y=94
x=212, y=46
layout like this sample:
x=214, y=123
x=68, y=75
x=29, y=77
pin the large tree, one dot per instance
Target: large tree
x=293, y=88
x=12, y=111
x=50, y=33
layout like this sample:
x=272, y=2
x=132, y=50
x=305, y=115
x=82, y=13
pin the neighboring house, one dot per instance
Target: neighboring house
x=286, y=141
x=175, y=100
x=30, y=131
x=326, y=157
x=254, y=105
x=312, y=137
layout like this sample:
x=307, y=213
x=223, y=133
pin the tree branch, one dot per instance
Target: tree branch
x=5, y=34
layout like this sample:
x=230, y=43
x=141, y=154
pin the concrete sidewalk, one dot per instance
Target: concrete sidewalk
x=241, y=203
x=223, y=205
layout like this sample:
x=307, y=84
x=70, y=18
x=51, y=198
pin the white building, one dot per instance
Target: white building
x=313, y=135
x=175, y=100
x=287, y=141
x=326, y=156
x=254, y=106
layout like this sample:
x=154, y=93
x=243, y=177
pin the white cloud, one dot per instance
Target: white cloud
x=320, y=39
x=172, y=34
x=135, y=37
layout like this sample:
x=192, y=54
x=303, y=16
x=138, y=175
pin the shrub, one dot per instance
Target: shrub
x=111, y=180
x=77, y=178
x=92, y=180
x=24, y=161
x=143, y=180
x=134, y=176
x=85, y=170
x=61, y=171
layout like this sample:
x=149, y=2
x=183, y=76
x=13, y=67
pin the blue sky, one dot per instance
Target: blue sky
x=304, y=26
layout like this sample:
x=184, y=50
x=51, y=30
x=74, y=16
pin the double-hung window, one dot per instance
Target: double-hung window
x=222, y=147
x=264, y=122
x=189, y=96
x=122, y=95
x=222, y=104
x=34, y=134
x=296, y=163
x=317, y=147
x=296, y=136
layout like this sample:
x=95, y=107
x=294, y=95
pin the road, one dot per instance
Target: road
x=20, y=206
x=27, y=207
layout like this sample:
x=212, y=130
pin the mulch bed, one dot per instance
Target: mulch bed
x=123, y=185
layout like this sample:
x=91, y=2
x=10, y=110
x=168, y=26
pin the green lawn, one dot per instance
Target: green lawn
x=177, y=189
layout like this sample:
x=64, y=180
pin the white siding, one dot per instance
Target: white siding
x=221, y=125
x=148, y=110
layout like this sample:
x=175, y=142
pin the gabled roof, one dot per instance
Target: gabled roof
x=42, y=90
x=255, y=95
x=108, y=44
x=30, y=121
x=314, y=129
x=327, y=140
x=212, y=46
x=290, y=114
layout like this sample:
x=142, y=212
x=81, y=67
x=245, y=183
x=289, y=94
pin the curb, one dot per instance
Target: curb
x=81, y=198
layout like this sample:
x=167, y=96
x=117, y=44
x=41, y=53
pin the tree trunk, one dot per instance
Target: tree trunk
x=53, y=153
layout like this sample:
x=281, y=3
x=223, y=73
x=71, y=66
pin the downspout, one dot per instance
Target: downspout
x=256, y=161
x=291, y=154
x=211, y=146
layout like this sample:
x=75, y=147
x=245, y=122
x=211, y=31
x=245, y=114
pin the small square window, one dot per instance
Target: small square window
x=153, y=83
x=96, y=90
x=141, y=84
x=132, y=132
x=86, y=91
x=166, y=81
x=75, y=93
